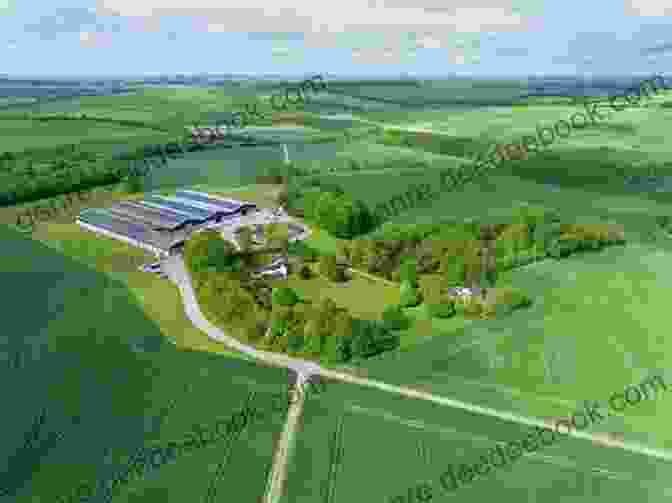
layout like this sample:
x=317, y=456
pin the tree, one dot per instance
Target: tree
x=277, y=236
x=329, y=268
x=282, y=198
x=363, y=343
x=343, y=250
x=393, y=318
x=284, y=296
x=295, y=343
x=330, y=349
x=408, y=271
x=342, y=334
x=409, y=295
x=313, y=337
x=443, y=309
x=244, y=238
x=135, y=183
x=278, y=327
x=305, y=272
x=384, y=340
x=207, y=251
x=453, y=270
x=338, y=213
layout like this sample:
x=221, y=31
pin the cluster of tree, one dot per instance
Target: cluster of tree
x=302, y=250
x=275, y=318
x=331, y=209
x=332, y=268
x=26, y=219
x=473, y=253
x=207, y=252
x=30, y=182
x=40, y=173
x=324, y=331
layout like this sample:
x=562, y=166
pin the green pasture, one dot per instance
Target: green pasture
x=362, y=444
x=92, y=357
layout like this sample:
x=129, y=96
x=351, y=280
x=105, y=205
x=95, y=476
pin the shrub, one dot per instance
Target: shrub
x=284, y=296
x=301, y=249
x=408, y=271
x=331, y=269
x=394, y=318
x=409, y=295
x=507, y=299
x=473, y=308
x=444, y=309
x=305, y=272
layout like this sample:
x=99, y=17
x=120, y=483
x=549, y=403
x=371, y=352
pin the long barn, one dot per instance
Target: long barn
x=161, y=223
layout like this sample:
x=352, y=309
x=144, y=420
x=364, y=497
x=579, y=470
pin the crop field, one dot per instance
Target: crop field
x=159, y=299
x=597, y=322
x=225, y=167
x=19, y=135
x=87, y=353
x=595, y=311
x=360, y=444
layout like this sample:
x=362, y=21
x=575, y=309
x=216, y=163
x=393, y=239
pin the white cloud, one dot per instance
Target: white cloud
x=92, y=39
x=375, y=33
x=648, y=8
x=429, y=43
x=331, y=18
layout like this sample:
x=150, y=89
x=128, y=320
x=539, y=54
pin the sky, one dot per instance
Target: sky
x=342, y=37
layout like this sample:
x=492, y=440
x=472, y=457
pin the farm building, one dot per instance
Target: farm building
x=160, y=223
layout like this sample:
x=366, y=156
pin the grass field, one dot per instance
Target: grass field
x=362, y=297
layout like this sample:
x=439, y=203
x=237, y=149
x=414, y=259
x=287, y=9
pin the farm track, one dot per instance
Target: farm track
x=335, y=458
x=211, y=495
x=278, y=472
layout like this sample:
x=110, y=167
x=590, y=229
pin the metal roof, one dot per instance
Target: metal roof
x=192, y=210
x=218, y=200
x=223, y=204
x=198, y=204
x=141, y=205
x=105, y=220
x=156, y=206
x=153, y=217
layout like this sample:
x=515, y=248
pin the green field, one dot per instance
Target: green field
x=358, y=444
x=88, y=350
x=103, y=341
x=18, y=135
